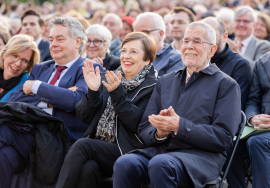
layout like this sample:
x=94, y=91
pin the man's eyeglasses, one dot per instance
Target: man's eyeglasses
x=149, y=31
x=96, y=43
x=196, y=42
x=244, y=21
x=131, y=53
x=15, y=57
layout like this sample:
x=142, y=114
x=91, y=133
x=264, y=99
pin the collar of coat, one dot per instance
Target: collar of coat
x=210, y=70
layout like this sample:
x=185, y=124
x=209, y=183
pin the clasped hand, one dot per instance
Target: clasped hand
x=166, y=122
x=261, y=121
x=93, y=78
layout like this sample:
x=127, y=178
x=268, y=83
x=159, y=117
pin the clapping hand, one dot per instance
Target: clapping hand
x=98, y=60
x=113, y=80
x=91, y=77
x=166, y=122
x=234, y=45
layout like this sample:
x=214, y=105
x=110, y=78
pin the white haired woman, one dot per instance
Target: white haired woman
x=97, y=47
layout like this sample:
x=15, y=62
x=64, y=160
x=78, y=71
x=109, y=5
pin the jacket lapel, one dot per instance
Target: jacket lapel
x=70, y=73
x=47, y=72
x=250, y=50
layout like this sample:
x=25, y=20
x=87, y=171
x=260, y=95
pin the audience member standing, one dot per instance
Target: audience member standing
x=167, y=59
x=114, y=23
x=33, y=25
x=180, y=18
x=245, y=43
x=56, y=86
x=229, y=61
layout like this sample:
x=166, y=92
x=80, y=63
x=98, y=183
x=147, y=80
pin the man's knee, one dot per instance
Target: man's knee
x=158, y=162
x=10, y=158
x=90, y=168
x=126, y=162
x=256, y=142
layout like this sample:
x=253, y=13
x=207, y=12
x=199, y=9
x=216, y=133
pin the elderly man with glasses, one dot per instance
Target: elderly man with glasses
x=245, y=42
x=167, y=59
x=189, y=122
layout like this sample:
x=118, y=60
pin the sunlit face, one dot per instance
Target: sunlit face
x=96, y=51
x=30, y=26
x=132, y=61
x=63, y=48
x=179, y=22
x=125, y=30
x=260, y=29
x=243, y=26
x=199, y=55
x=2, y=44
x=147, y=24
x=15, y=68
x=112, y=24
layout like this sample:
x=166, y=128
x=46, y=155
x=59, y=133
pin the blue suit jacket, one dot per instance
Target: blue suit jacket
x=44, y=48
x=63, y=99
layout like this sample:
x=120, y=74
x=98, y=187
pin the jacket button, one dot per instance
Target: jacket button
x=188, y=129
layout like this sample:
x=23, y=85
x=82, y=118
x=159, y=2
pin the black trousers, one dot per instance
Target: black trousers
x=86, y=162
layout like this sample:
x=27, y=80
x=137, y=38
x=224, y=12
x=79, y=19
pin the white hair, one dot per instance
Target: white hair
x=102, y=31
x=210, y=32
x=116, y=17
x=199, y=7
x=159, y=22
x=226, y=14
x=242, y=10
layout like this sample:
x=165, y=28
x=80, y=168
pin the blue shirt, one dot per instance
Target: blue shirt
x=167, y=60
x=115, y=47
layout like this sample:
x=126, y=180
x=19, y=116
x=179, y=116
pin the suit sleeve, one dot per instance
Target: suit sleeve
x=62, y=98
x=262, y=49
x=253, y=105
x=128, y=113
x=242, y=75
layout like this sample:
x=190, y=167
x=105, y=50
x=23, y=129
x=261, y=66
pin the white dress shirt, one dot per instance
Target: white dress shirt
x=245, y=44
x=35, y=86
x=38, y=41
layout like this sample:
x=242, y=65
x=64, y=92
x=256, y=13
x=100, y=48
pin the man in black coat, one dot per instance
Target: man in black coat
x=33, y=25
x=230, y=62
x=189, y=122
x=257, y=147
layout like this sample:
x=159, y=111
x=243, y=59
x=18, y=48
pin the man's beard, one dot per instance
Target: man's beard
x=219, y=46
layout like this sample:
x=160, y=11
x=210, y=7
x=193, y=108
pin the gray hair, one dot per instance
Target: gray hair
x=75, y=28
x=242, y=10
x=210, y=32
x=226, y=14
x=102, y=31
x=159, y=22
x=116, y=17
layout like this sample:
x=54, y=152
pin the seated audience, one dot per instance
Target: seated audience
x=184, y=125
x=113, y=111
x=245, y=42
x=257, y=147
x=4, y=37
x=127, y=27
x=167, y=59
x=114, y=23
x=230, y=62
x=97, y=47
x=262, y=27
x=17, y=59
x=58, y=85
x=226, y=15
x=34, y=25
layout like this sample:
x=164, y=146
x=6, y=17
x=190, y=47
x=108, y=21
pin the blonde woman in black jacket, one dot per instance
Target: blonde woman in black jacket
x=113, y=112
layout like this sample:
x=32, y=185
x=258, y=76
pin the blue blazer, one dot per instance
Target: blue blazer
x=44, y=48
x=24, y=78
x=63, y=99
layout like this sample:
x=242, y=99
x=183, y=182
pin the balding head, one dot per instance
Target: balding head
x=221, y=34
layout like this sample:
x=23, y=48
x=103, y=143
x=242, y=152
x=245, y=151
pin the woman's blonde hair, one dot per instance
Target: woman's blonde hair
x=17, y=44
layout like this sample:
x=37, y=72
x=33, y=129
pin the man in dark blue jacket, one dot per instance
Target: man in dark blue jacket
x=229, y=61
x=189, y=122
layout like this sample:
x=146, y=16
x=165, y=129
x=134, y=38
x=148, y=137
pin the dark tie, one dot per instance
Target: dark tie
x=59, y=69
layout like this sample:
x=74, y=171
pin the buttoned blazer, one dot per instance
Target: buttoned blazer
x=63, y=99
x=255, y=49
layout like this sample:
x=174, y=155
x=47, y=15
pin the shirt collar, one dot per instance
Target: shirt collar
x=69, y=64
x=188, y=75
x=38, y=40
x=246, y=41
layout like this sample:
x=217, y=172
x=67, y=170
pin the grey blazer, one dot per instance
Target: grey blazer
x=255, y=49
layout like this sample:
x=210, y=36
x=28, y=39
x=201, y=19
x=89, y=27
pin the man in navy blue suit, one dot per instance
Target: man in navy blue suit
x=33, y=25
x=58, y=85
